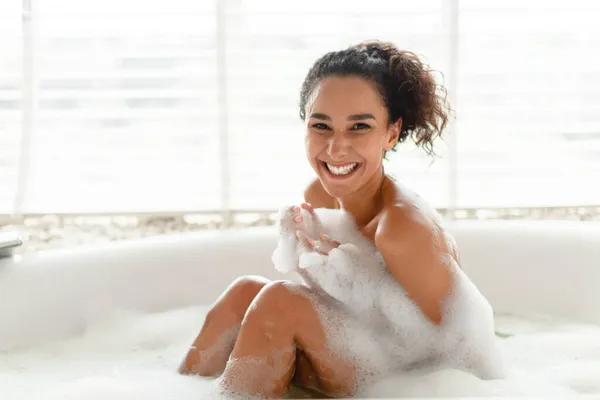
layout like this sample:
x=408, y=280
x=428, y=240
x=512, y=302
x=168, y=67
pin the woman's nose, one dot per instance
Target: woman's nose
x=338, y=148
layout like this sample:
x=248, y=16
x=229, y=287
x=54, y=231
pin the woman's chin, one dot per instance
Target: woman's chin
x=337, y=189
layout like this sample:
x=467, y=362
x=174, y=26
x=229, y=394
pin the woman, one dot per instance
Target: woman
x=358, y=104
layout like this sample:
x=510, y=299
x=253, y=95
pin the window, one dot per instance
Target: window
x=127, y=114
x=528, y=98
x=193, y=105
x=270, y=47
x=11, y=78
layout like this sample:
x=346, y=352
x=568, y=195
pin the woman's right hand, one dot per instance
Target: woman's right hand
x=311, y=233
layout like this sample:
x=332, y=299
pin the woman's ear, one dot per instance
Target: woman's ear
x=393, y=134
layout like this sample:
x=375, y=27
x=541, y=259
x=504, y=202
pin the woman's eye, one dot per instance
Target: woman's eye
x=360, y=126
x=320, y=126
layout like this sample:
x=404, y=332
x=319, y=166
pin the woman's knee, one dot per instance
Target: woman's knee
x=281, y=303
x=236, y=299
x=282, y=295
x=247, y=287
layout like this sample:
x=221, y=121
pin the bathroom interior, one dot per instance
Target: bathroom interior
x=147, y=148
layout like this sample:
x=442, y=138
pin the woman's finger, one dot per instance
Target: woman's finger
x=317, y=226
x=318, y=245
x=319, y=248
x=330, y=242
x=300, y=235
x=308, y=207
x=298, y=219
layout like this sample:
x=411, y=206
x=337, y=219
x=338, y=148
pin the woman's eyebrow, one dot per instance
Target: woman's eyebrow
x=354, y=117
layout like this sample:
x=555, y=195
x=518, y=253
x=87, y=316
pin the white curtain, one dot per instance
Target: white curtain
x=11, y=77
x=529, y=103
x=170, y=105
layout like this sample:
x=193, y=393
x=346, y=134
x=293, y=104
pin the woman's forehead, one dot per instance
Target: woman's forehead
x=345, y=95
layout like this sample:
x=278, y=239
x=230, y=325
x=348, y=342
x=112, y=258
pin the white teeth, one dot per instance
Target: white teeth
x=345, y=170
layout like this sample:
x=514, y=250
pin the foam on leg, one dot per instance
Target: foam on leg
x=258, y=377
x=206, y=361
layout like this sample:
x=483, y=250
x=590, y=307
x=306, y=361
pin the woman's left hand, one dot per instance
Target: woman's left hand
x=323, y=245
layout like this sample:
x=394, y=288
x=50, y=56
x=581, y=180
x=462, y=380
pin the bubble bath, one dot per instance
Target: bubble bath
x=129, y=355
x=73, y=339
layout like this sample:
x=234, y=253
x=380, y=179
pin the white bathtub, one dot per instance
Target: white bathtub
x=524, y=269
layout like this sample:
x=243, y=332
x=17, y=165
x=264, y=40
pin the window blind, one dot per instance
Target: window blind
x=270, y=48
x=127, y=109
x=193, y=105
x=11, y=45
x=529, y=103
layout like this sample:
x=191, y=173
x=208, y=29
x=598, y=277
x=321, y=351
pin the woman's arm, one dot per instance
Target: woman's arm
x=412, y=252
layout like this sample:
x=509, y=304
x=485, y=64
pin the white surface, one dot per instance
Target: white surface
x=8, y=242
x=66, y=325
x=127, y=355
x=9, y=239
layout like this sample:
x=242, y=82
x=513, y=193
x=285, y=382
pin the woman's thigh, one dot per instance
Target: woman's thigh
x=210, y=350
x=324, y=354
x=292, y=334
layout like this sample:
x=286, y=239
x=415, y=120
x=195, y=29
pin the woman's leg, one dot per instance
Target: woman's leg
x=209, y=353
x=282, y=318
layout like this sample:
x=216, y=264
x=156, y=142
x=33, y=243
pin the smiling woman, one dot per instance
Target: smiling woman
x=382, y=289
x=360, y=103
x=405, y=85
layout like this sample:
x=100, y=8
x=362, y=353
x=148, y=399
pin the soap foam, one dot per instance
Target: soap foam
x=368, y=316
x=262, y=374
x=137, y=355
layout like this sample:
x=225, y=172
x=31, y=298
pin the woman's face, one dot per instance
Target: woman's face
x=347, y=134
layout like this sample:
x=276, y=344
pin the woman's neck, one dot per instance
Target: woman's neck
x=366, y=203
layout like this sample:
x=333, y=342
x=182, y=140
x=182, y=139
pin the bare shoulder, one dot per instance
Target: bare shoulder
x=401, y=225
x=408, y=220
x=317, y=196
x=409, y=244
x=404, y=216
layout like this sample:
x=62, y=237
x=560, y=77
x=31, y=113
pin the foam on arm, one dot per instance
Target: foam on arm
x=343, y=274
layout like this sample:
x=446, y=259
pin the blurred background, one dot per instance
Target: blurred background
x=130, y=118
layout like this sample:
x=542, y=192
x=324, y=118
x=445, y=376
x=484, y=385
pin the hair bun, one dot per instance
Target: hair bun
x=376, y=49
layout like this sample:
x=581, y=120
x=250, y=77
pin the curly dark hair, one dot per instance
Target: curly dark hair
x=406, y=85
